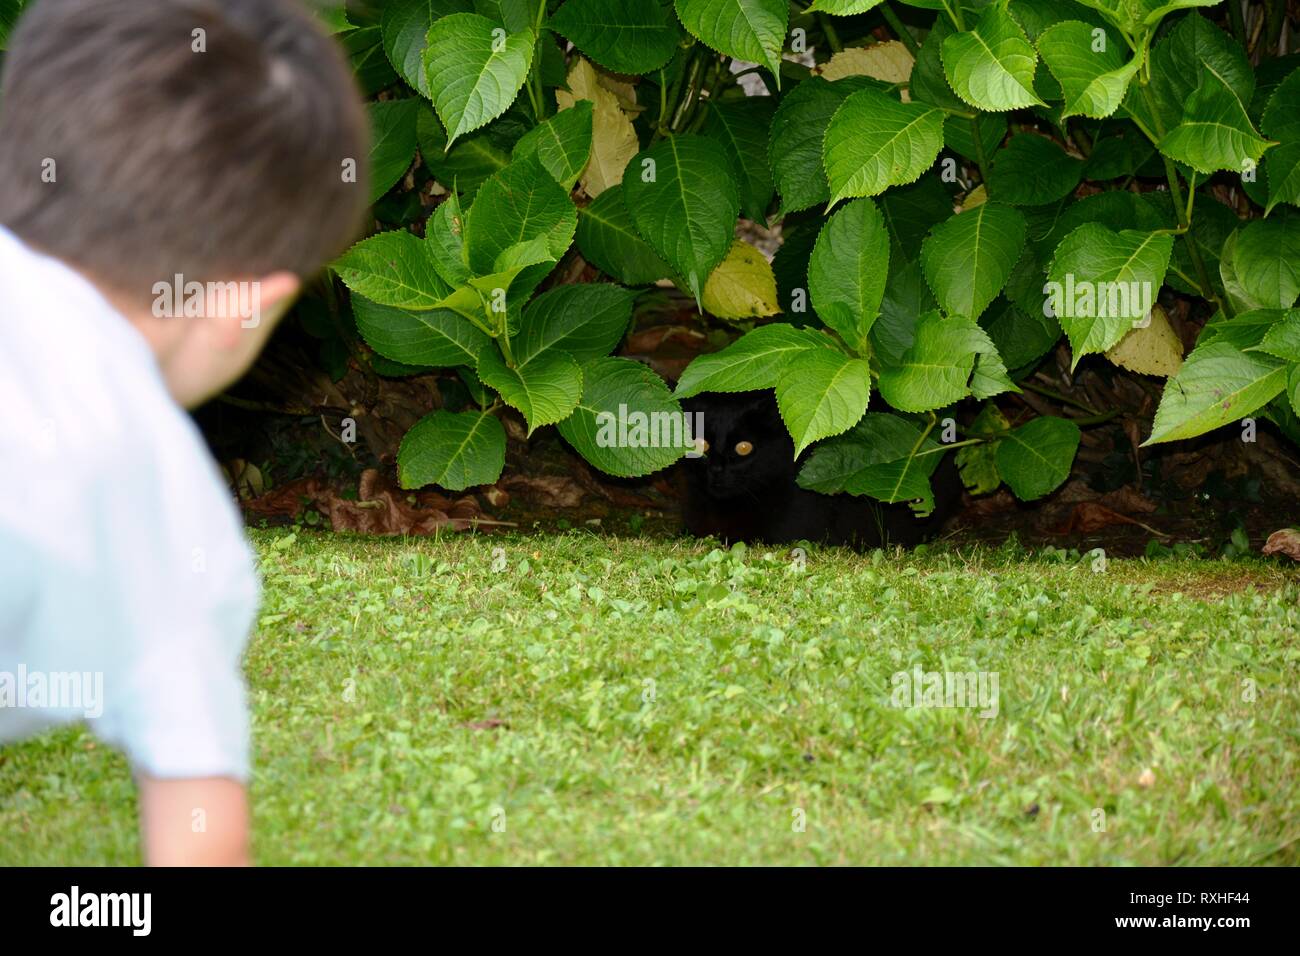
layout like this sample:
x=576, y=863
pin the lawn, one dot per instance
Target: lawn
x=588, y=700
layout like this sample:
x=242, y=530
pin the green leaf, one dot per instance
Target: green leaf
x=587, y=321
x=1020, y=337
x=392, y=146
x=935, y=370
x=505, y=289
x=742, y=126
x=1281, y=122
x=475, y=70
x=1217, y=384
x=439, y=338
x=968, y=259
x=625, y=36
x=907, y=297
x=1035, y=458
x=405, y=26
x=795, y=141
x=608, y=240
x=1177, y=62
x=1282, y=340
x=992, y=66
x=456, y=450
x=977, y=464
x=518, y=204
x=444, y=238
x=754, y=361
x=752, y=30
x=392, y=268
x=884, y=457
x=684, y=203
x=1215, y=132
x=874, y=142
x=474, y=158
x=1094, y=71
x=1104, y=282
x=545, y=389
x=820, y=393
x=1032, y=170
x=1267, y=260
x=842, y=8
x=620, y=391
x=912, y=211
x=847, y=272
x=562, y=143
x=742, y=286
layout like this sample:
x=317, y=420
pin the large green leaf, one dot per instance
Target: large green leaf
x=874, y=142
x=626, y=423
x=992, y=66
x=1093, y=69
x=936, y=368
x=438, y=338
x=1267, y=260
x=587, y=321
x=474, y=158
x=392, y=146
x=625, y=36
x=883, y=456
x=754, y=361
x=912, y=211
x=405, y=27
x=968, y=258
x=1281, y=122
x=842, y=8
x=1282, y=339
x=456, y=450
x=1177, y=62
x=822, y=392
x=475, y=69
x=1215, y=132
x=742, y=126
x=392, y=268
x=847, y=272
x=608, y=240
x=684, y=203
x=562, y=143
x=518, y=204
x=1105, y=282
x=545, y=389
x=752, y=30
x=795, y=141
x=1035, y=458
x=1032, y=170
x=1217, y=384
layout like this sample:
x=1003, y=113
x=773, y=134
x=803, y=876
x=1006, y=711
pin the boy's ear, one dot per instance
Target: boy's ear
x=272, y=296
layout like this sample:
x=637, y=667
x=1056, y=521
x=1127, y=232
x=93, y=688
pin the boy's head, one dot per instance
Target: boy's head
x=216, y=141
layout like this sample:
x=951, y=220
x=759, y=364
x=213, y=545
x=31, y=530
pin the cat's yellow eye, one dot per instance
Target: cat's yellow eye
x=743, y=448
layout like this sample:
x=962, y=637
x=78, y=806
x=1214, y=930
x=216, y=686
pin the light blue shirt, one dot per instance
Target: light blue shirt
x=127, y=587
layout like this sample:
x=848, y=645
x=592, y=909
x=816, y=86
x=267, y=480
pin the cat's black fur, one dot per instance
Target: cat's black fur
x=754, y=498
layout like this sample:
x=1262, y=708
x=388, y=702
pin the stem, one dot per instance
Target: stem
x=1182, y=211
x=1057, y=396
x=1238, y=22
x=980, y=159
x=897, y=26
x=954, y=14
x=832, y=38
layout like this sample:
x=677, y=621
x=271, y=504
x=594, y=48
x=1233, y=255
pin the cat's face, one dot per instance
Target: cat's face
x=748, y=448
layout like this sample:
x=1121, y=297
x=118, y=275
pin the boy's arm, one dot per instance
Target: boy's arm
x=201, y=821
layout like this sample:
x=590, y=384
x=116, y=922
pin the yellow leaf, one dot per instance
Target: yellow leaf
x=613, y=140
x=1153, y=349
x=889, y=62
x=976, y=197
x=742, y=286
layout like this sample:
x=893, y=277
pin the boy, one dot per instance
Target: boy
x=146, y=146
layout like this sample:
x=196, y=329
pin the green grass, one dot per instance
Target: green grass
x=663, y=702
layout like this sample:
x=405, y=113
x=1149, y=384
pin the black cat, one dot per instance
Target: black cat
x=744, y=489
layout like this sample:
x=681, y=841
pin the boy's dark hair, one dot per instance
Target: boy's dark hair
x=222, y=164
